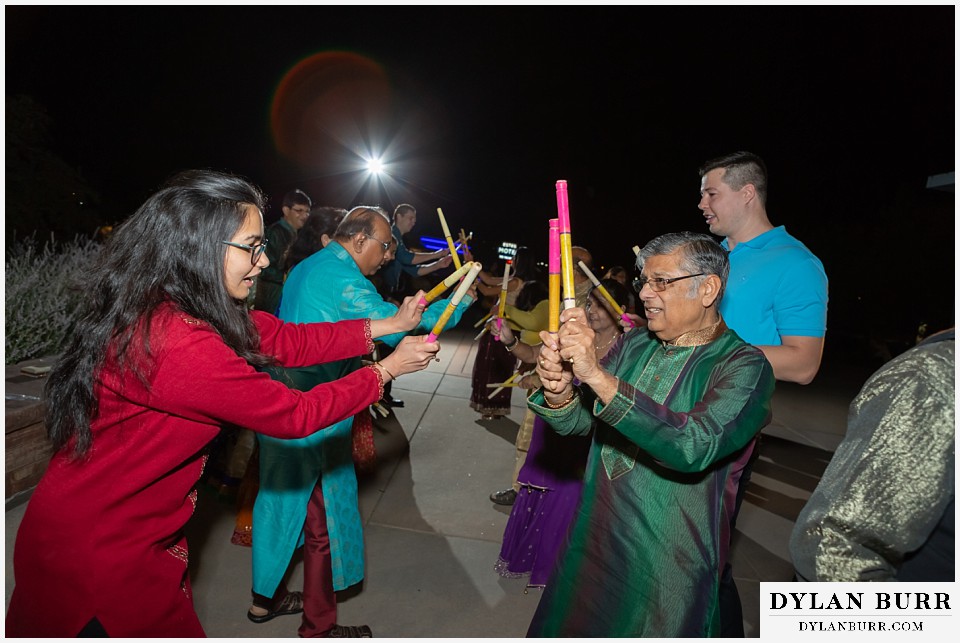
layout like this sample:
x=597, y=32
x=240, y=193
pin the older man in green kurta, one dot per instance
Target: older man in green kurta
x=672, y=406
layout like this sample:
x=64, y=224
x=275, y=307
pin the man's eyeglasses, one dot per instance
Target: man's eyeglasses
x=302, y=210
x=659, y=284
x=256, y=250
x=386, y=246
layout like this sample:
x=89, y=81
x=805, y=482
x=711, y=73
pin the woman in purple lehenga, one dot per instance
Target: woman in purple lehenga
x=550, y=483
x=552, y=477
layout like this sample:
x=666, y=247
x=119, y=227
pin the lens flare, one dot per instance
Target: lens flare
x=328, y=108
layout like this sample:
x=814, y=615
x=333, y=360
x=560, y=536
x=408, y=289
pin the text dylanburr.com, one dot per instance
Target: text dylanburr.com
x=846, y=610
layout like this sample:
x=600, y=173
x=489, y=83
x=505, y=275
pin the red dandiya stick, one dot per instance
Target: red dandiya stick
x=566, y=247
x=554, y=278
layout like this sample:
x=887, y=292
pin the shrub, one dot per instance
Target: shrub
x=42, y=298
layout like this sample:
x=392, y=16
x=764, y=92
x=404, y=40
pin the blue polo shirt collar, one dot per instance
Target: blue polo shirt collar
x=760, y=241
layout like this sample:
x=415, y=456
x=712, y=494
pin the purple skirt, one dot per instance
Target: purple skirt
x=551, y=480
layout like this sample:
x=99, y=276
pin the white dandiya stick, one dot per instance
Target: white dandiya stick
x=606, y=295
x=446, y=233
x=448, y=282
x=503, y=385
x=636, y=251
x=454, y=301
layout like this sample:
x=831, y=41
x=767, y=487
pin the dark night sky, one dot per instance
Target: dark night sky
x=851, y=107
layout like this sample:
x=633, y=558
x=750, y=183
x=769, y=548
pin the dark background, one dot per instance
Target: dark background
x=480, y=110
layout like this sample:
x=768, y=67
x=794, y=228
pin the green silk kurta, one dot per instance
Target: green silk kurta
x=642, y=556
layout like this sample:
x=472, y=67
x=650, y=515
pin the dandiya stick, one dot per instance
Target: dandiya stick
x=448, y=282
x=554, y=276
x=482, y=331
x=566, y=247
x=452, y=304
x=503, y=385
x=606, y=295
x=463, y=242
x=502, y=304
x=483, y=321
x=636, y=251
x=446, y=233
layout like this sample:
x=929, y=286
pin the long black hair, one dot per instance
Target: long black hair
x=170, y=249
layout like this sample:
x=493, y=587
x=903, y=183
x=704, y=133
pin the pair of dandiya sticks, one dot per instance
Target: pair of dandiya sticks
x=560, y=268
x=560, y=274
x=465, y=274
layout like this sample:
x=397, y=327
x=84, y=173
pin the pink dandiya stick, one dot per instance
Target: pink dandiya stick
x=448, y=282
x=446, y=233
x=454, y=301
x=503, y=297
x=606, y=295
x=554, y=276
x=566, y=247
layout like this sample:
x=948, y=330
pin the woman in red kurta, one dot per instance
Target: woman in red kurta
x=133, y=404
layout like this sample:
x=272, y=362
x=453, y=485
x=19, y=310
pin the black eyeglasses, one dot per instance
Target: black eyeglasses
x=659, y=284
x=256, y=250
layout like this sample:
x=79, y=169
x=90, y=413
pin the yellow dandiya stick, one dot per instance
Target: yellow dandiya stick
x=446, y=233
x=448, y=282
x=452, y=304
x=480, y=334
x=606, y=295
x=483, y=321
x=463, y=242
x=554, y=278
x=566, y=247
x=503, y=385
x=636, y=251
x=503, y=296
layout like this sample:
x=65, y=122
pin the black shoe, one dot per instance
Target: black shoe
x=505, y=497
x=392, y=401
x=292, y=603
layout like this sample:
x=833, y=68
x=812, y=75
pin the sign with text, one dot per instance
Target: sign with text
x=845, y=610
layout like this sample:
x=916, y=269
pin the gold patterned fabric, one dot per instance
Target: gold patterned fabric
x=891, y=480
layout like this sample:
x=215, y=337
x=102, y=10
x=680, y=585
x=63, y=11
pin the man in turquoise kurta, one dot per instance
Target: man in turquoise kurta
x=673, y=405
x=329, y=286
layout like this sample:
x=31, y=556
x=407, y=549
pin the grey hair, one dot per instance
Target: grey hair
x=698, y=253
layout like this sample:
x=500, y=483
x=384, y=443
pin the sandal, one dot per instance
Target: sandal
x=350, y=632
x=292, y=603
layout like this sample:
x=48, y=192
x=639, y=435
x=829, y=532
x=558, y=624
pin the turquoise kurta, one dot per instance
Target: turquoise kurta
x=326, y=287
x=642, y=557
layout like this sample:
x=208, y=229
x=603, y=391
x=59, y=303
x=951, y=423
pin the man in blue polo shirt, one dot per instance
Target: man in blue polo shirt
x=776, y=299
